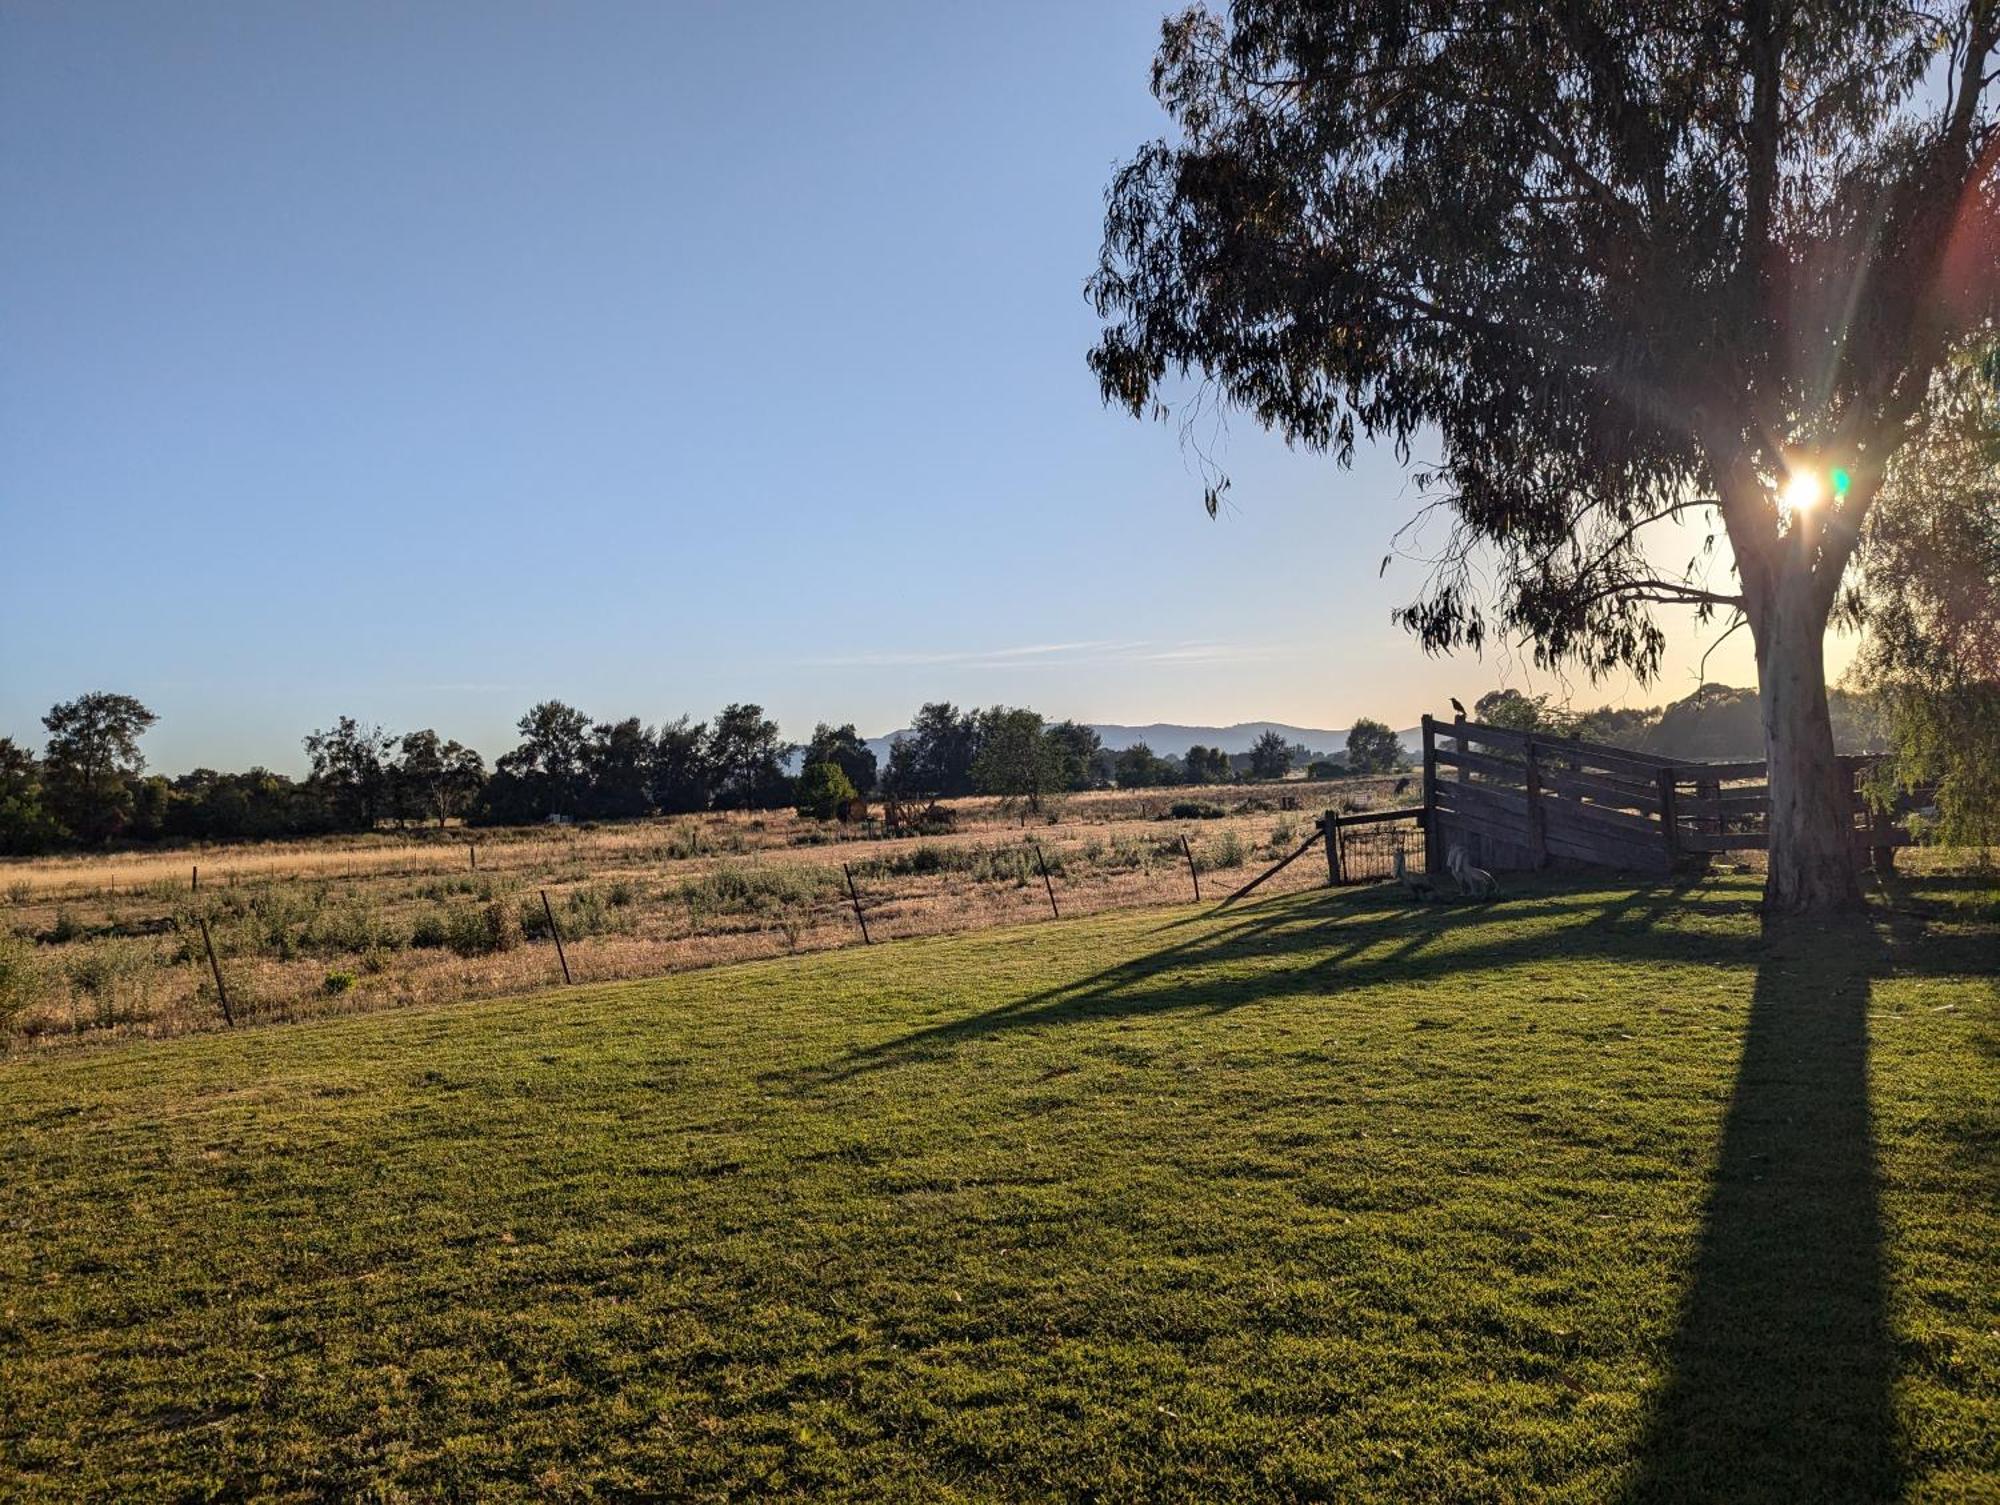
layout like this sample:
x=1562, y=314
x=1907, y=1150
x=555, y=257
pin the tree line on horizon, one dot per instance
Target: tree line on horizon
x=89, y=786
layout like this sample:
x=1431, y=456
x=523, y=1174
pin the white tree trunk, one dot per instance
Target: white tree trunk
x=1813, y=857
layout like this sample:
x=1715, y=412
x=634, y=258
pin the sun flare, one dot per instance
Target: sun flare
x=1803, y=490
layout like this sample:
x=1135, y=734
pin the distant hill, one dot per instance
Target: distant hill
x=1169, y=738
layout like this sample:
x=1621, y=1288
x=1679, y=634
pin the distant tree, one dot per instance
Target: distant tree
x=546, y=771
x=27, y=825
x=152, y=797
x=618, y=770
x=435, y=779
x=682, y=778
x=1078, y=749
x=1270, y=756
x=351, y=769
x=1716, y=722
x=748, y=758
x=824, y=790
x=1618, y=726
x=1139, y=767
x=842, y=746
x=1373, y=747
x=258, y=805
x=91, y=761
x=1624, y=265
x=1207, y=765
x=1017, y=759
x=1523, y=713
x=935, y=759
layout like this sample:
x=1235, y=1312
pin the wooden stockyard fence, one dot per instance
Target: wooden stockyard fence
x=1518, y=800
x=1525, y=800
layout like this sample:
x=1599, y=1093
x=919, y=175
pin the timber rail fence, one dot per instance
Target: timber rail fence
x=1519, y=800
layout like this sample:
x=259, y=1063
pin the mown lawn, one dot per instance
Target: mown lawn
x=1582, y=1195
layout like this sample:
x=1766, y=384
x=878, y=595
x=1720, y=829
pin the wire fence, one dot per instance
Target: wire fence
x=1368, y=853
x=218, y=949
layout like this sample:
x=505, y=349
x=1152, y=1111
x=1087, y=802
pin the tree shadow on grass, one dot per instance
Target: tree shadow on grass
x=1322, y=943
x=1780, y=1368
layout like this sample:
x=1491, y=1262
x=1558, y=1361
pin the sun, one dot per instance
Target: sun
x=1803, y=490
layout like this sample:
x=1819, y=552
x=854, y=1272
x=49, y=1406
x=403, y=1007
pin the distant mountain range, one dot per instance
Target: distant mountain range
x=1170, y=739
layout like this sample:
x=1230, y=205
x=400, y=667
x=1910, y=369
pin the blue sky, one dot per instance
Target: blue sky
x=421, y=362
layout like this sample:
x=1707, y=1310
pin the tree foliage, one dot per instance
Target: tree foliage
x=747, y=756
x=1139, y=767
x=1270, y=756
x=842, y=746
x=435, y=779
x=1079, y=751
x=1929, y=599
x=1373, y=747
x=1207, y=765
x=935, y=759
x=27, y=825
x=1624, y=262
x=824, y=790
x=90, y=760
x=1017, y=759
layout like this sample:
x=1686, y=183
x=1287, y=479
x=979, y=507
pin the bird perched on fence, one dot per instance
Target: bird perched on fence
x=1471, y=880
x=1457, y=705
x=1417, y=885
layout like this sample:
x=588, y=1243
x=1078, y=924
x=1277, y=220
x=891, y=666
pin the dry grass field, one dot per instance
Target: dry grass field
x=100, y=947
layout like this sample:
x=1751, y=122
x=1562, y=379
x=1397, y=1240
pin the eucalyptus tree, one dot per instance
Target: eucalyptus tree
x=1929, y=598
x=746, y=758
x=551, y=762
x=92, y=761
x=1270, y=756
x=842, y=746
x=353, y=770
x=1374, y=747
x=1620, y=261
x=1017, y=758
x=436, y=779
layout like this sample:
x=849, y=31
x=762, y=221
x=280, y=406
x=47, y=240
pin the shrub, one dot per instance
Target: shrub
x=532, y=918
x=1227, y=850
x=429, y=933
x=684, y=840
x=445, y=888
x=482, y=929
x=586, y=912
x=337, y=983
x=761, y=891
x=20, y=979
x=350, y=929
x=105, y=973
x=1194, y=810
x=823, y=790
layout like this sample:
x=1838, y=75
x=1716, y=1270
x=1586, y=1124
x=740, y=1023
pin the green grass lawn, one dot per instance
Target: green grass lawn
x=1583, y=1195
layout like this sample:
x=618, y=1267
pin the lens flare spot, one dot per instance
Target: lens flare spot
x=1802, y=491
